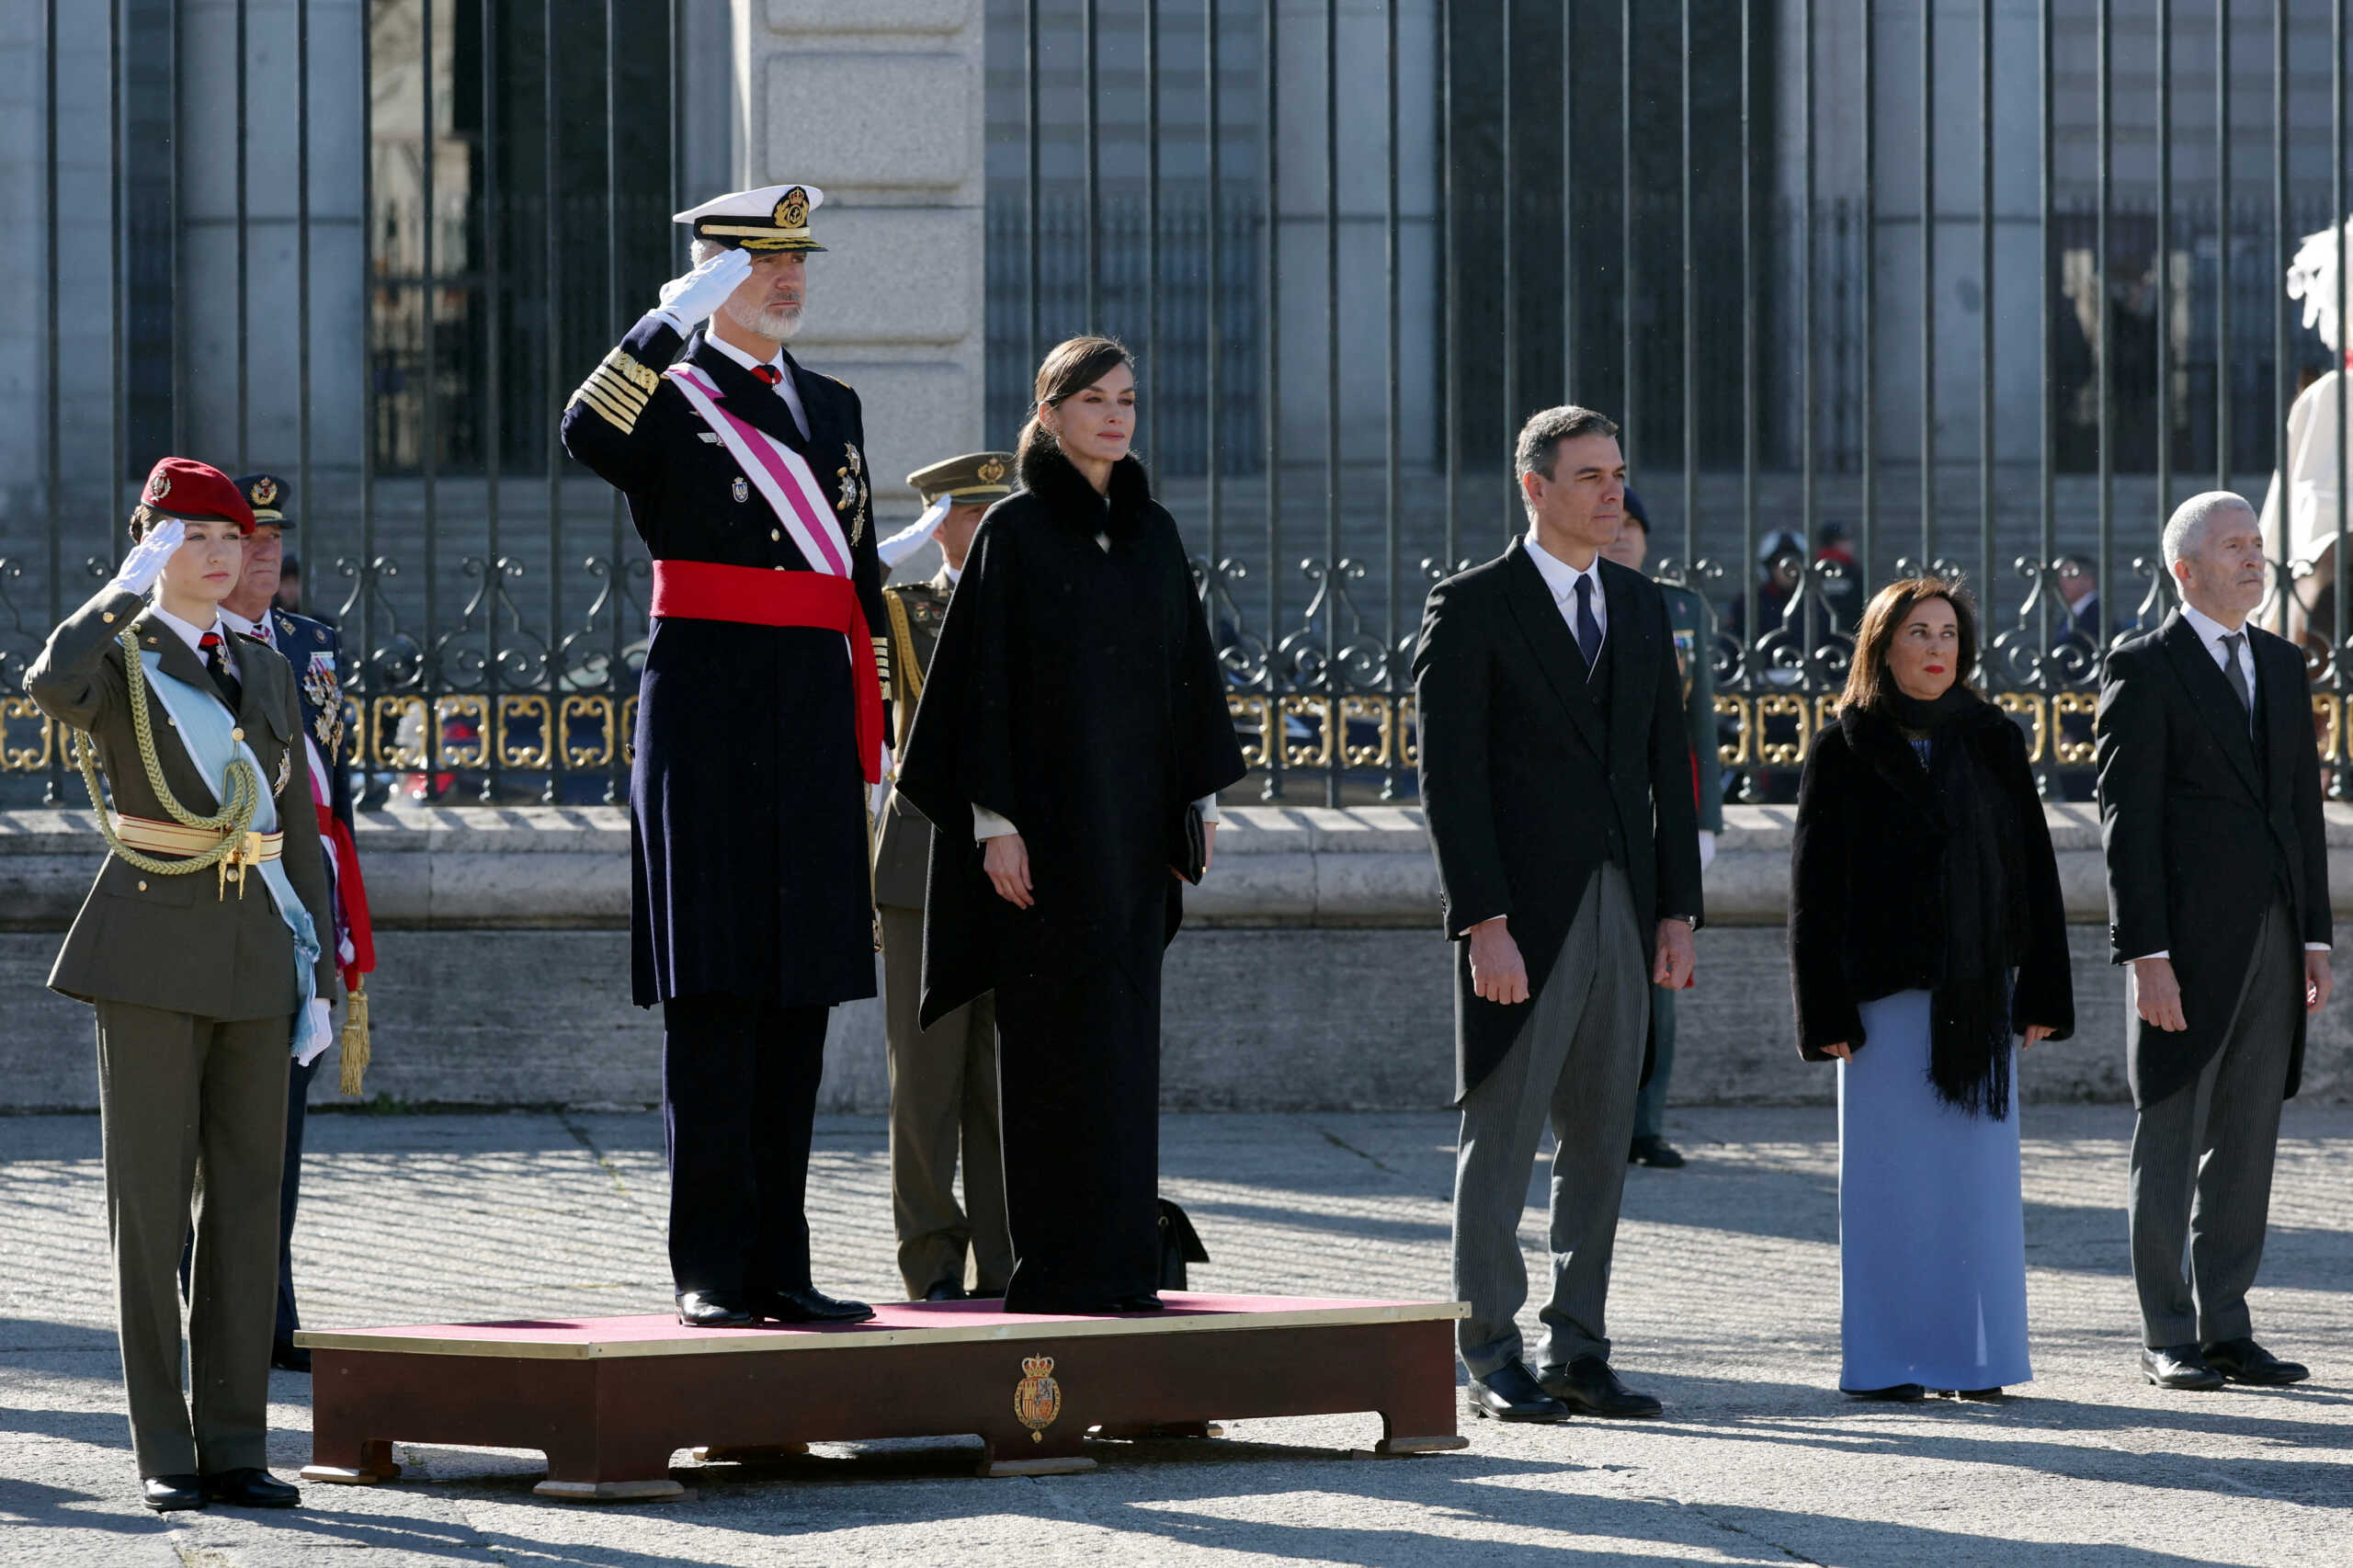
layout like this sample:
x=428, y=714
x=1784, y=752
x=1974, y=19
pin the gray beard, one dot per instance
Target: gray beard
x=782, y=323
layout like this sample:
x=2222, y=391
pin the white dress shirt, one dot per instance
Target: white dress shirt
x=1562, y=579
x=784, y=388
x=192, y=634
x=2210, y=632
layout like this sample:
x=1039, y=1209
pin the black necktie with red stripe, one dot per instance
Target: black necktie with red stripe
x=216, y=659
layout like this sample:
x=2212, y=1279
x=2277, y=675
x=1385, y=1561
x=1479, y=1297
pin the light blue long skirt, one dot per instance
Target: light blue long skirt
x=1931, y=1224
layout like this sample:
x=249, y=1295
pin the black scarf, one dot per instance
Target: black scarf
x=1970, y=1035
x=1046, y=473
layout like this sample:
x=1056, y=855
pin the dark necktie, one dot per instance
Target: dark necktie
x=2237, y=674
x=767, y=373
x=216, y=659
x=1588, y=629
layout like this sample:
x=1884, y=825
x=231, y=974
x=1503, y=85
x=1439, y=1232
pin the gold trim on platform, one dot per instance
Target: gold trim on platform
x=739, y=1342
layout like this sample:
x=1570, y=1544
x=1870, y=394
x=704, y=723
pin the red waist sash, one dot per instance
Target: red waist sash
x=753, y=596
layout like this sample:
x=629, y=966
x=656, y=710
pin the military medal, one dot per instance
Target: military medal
x=740, y=490
x=319, y=683
x=853, y=491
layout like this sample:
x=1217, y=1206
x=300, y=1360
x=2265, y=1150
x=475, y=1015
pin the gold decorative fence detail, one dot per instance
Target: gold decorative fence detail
x=15, y=758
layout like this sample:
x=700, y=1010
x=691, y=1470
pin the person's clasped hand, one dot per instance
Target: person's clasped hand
x=145, y=561
x=688, y=300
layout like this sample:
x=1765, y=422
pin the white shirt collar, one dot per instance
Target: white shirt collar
x=955, y=575
x=1562, y=577
x=185, y=632
x=2210, y=630
x=260, y=629
x=784, y=387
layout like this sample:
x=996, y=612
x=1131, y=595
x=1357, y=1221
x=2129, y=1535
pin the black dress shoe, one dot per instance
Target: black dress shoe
x=291, y=1359
x=1894, y=1393
x=1656, y=1152
x=1148, y=1302
x=169, y=1493
x=806, y=1306
x=2178, y=1366
x=714, y=1309
x=1588, y=1387
x=1511, y=1392
x=2244, y=1361
x=945, y=1290
x=250, y=1488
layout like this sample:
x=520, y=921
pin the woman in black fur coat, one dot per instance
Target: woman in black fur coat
x=1073, y=720
x=1927, y=944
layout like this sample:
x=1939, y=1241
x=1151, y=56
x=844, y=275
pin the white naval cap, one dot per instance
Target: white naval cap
x=772, y=218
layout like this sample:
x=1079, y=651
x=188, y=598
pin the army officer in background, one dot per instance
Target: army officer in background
x=943, y=1079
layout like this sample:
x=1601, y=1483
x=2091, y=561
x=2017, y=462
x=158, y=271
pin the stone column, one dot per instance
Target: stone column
x=879, y=104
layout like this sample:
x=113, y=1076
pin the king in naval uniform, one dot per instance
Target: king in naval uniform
x=943, y=1079
x=760, y=733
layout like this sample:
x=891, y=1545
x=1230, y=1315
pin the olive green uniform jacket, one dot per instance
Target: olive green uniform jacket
x=173, y=942
x=914, y=612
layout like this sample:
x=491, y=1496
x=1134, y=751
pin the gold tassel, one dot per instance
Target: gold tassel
x=353, y=1040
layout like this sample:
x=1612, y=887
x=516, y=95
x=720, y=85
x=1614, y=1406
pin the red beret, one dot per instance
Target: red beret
x=184, y=488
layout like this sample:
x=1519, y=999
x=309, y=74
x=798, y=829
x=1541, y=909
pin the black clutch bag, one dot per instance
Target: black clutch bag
x=1189, y=852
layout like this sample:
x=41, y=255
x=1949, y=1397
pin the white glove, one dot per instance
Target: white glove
x=685, y=301
x=880, y=795
x=1707, y=850
x=145, y=562
x=311, y=1040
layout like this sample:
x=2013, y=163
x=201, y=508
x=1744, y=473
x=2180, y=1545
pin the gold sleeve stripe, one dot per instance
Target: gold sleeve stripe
x=643, y=377
x=623, y=393
x=626, y=423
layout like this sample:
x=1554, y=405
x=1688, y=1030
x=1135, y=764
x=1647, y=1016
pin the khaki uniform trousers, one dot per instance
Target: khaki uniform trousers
x=943, y=1099
x=193, y=1112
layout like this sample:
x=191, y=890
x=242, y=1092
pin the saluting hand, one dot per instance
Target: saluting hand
x=688, y=300
x=1006, y=861
x=145, y=561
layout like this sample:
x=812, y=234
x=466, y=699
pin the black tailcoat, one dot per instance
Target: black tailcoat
x=1531, y=780
x=2203, y=835
x=1075, y=691
x=1867, y=904
x=747, y=797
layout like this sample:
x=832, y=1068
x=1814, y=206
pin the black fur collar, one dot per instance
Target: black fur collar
x=1047, y=476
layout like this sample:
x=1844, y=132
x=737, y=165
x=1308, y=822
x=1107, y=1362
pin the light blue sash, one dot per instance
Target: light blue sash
x=206, y=730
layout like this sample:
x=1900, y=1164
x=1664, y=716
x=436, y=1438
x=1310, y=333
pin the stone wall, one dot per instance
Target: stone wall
x=1311, y=975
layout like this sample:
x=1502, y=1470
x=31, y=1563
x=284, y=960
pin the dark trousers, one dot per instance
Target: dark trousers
x=2201, y=1160
x=290, y=1192
x=739, y=1096
x=190, y=1111
x=1078, y=1069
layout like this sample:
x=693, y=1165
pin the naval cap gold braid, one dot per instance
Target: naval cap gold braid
x=232, y=823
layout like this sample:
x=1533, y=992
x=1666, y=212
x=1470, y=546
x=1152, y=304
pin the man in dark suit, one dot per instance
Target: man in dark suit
x=312, y=651
x=760, y=733
x=2218, y=899
x=1556, y=775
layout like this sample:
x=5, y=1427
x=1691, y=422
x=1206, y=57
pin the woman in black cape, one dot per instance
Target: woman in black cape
x=1073, y=721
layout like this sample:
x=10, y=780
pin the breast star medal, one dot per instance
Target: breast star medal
x=320, y=685
x=853, y=490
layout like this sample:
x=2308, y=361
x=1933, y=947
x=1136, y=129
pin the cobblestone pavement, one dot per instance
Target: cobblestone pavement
x=1725, y=1303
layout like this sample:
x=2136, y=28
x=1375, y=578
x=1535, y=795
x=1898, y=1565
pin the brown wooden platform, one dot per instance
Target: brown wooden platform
x=608, y=1399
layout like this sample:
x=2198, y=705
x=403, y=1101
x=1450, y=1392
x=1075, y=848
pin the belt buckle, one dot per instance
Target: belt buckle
x=233, y=864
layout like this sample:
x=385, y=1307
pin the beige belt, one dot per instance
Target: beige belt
x=152, y=837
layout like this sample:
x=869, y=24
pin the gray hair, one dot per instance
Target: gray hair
x=702, y=250
x=1540, y=437
x=2186, y=527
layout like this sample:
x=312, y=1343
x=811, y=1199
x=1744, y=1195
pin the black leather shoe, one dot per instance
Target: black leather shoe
x=1511, y=1392
x=945, y=1290
x=291, y=1359
x=1656, y=1152
x=250, y=1488
x=1588, y=1387
x=807, y=1306
x=169, y=1493
x=2178, y=1366
x=2244, y=1361
x=1146, y=1302
x=714, y=1309
x=1894, y=1393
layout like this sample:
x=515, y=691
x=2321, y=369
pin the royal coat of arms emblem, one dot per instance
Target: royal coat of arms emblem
x=1038, y=1399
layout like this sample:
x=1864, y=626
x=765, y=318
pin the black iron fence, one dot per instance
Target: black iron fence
x=1844, y=282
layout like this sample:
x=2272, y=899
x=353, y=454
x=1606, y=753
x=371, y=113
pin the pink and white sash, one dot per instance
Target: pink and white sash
x=783, y=475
